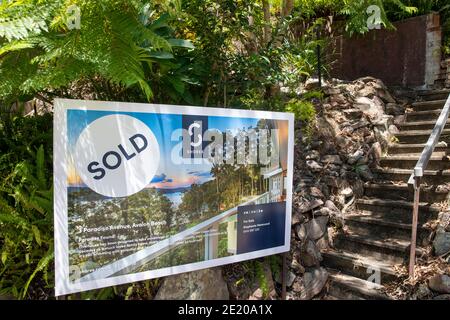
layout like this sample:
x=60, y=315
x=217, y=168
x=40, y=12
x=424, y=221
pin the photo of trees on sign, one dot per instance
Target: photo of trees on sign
x=186, y=214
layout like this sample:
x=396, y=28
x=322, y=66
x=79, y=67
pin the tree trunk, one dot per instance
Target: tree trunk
x=251, y=45
x=267, y=26
x=288, y=6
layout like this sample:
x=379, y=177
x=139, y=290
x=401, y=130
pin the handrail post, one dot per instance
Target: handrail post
x=418, y=172
x=415, y=218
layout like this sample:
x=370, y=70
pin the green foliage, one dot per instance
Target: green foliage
x=304, y=110
x=315, y=94
x=275, y=262
x=137, y=291
x=262, y=279
x=26, y=203
x=254, y=274
x=352, y=12
x=26, y=214
x=249, y=57
x=254, y=99
x=121, y=45
x=202, y=52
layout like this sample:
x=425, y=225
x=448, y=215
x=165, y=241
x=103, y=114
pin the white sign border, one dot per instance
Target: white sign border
x=61, y=241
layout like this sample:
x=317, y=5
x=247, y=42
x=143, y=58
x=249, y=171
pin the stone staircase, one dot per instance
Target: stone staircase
x=378, y=232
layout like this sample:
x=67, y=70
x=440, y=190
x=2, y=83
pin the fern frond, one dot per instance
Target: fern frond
x=408, y=9
x=41, y=204
x=126, y=24
x=16, y=46
x=42, y=264
x=21, y=28
x=15, y=220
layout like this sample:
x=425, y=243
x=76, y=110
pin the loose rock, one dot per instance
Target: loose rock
x=423, y=291
x=309, y=205
x=334, y=159
x=394, y=109
x=313, y=283
x=313, y=166
x=207, y=284
x=355, y=157
x=310, y=255
x=290, y=278
x=441, y=242
x=322, y=243
x=440, y=283
x=376, y=152
x=300, y=231
x=330, y=205
x=315, y=228
x=347, y=192
x=365, y=173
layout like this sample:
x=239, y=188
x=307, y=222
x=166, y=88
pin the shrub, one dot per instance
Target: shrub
x=26, y=208
x=304, y=110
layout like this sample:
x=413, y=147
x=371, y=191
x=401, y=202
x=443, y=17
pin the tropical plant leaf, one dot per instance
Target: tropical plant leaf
x=37, y=234
x=161, y=55
x=181, y=43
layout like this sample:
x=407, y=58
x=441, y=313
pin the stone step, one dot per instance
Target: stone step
x=404, y=192
x=367, y=224
x=398, y=148
x=408, y=162
x=357, y=266
x=430, y=176
x=419, y=125
x=395, y=217
x=422, y=115
x=389, y=250
x=397, y=210
x=420, y=136
x=440, y=154
x=434, y=94
x=428, y=105
x=346, y=287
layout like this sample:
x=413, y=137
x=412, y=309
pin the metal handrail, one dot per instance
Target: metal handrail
x=417, y=174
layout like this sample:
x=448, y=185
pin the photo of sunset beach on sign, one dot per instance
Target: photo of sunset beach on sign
x=186, y=214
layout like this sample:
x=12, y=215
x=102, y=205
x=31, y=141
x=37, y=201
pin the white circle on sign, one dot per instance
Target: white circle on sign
x=117, y=155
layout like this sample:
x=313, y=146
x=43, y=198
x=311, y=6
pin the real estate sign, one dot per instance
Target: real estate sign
x=144, y=191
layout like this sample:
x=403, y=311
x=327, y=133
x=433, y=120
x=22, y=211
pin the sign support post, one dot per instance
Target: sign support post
x=283, y=276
